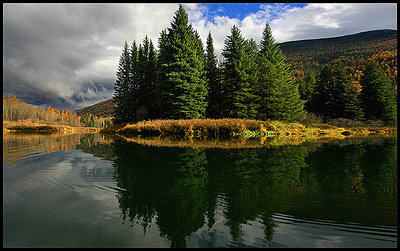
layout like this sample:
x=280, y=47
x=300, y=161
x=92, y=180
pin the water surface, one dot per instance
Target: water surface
x=92, y=191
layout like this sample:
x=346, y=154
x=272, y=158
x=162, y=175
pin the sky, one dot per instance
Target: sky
x=66, y=55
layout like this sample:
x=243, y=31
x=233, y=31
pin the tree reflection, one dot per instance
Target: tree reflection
x=261, y=180
x=181, y=212
x=178, y=189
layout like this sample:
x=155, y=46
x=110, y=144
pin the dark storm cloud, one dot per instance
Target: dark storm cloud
x=66, y=55
x=45, y=46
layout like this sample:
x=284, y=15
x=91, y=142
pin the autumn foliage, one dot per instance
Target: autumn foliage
x=17, y=110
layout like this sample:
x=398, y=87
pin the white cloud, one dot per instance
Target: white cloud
x=57, y=48
x=328, y=20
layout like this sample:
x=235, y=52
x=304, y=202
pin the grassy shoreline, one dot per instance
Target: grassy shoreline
x=24, y=127
x=239, y=128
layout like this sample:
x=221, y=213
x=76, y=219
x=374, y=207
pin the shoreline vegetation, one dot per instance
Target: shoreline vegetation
x=239, y=129
x=29, y=127
x=211, y=133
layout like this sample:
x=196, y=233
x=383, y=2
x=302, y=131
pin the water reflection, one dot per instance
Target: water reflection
x=208, y=194
x=19, y=146
x=183, y=189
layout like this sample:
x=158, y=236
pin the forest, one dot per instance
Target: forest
x=17, y=110
x=183, y=80
x=352, y=50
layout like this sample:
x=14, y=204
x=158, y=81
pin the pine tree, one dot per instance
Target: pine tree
x=135, y=83
x=306, y=89
x=91, y=121
x=377, y=94
x=146, y=79
x=347, y=104
x=214, y=84
x=280, y=98
x=183, y=89
x=322, y=100
x=240, y=99
x=122, y=87
x=334, y=95
x=151, y=80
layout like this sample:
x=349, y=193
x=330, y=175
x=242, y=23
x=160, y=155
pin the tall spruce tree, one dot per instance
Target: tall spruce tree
x=239, y=79
x=146, y=77
x=334, y=95
x=307, y=88
x=279, y=95
x=345, y=94
x=122, y=88
x=183, y=89
x=377, y=94
x=214, y=84
x=322, y=101
x=134, y=85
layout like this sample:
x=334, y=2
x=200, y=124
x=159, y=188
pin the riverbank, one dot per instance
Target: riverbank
x=239, y=128
x=28, y=127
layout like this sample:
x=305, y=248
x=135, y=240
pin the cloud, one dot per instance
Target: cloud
x=51, y=51
x=328, y=20
x=66, y=55
x=293, y=22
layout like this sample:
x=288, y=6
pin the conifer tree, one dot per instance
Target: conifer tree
x=240, y=99
x=146, y=78
x=279, y=96
x=334, y=96
x=214, y=84
x=122, y=87
x=345, y=95
x=183, y=89
x=377, y=94
x=306, y=89
x=322, y=101
x=150, y=78
x=91, y=121
x=134, y=86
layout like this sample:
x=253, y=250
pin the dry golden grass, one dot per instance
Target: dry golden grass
x=27, y=126
x=192, y=127
x=239, y=128
x=212, y=143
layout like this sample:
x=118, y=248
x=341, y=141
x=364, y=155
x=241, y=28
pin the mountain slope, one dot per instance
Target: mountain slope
x=101, y=109
x=353, y=50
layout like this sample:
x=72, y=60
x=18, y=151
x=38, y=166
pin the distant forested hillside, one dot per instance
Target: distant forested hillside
x=310, y=55
x=102, y=109
x=353, y=50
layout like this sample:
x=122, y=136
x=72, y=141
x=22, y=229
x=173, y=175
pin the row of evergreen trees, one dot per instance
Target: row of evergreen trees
x=332, y=95
x=182, y=80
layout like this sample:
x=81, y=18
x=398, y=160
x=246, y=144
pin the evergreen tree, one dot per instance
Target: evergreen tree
x=279, y=95
x=85, y=119
x=240, y=99
x=122, y=87
x=306, y=89
x=183, y=89
x=334, y=95
x=91, y=121
x=345, y=95
x=160, y=104
x=322, y=100
x=377, y=94
x=146, y=78
x=135, y=82
x=214, y=84
x=151, y=79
